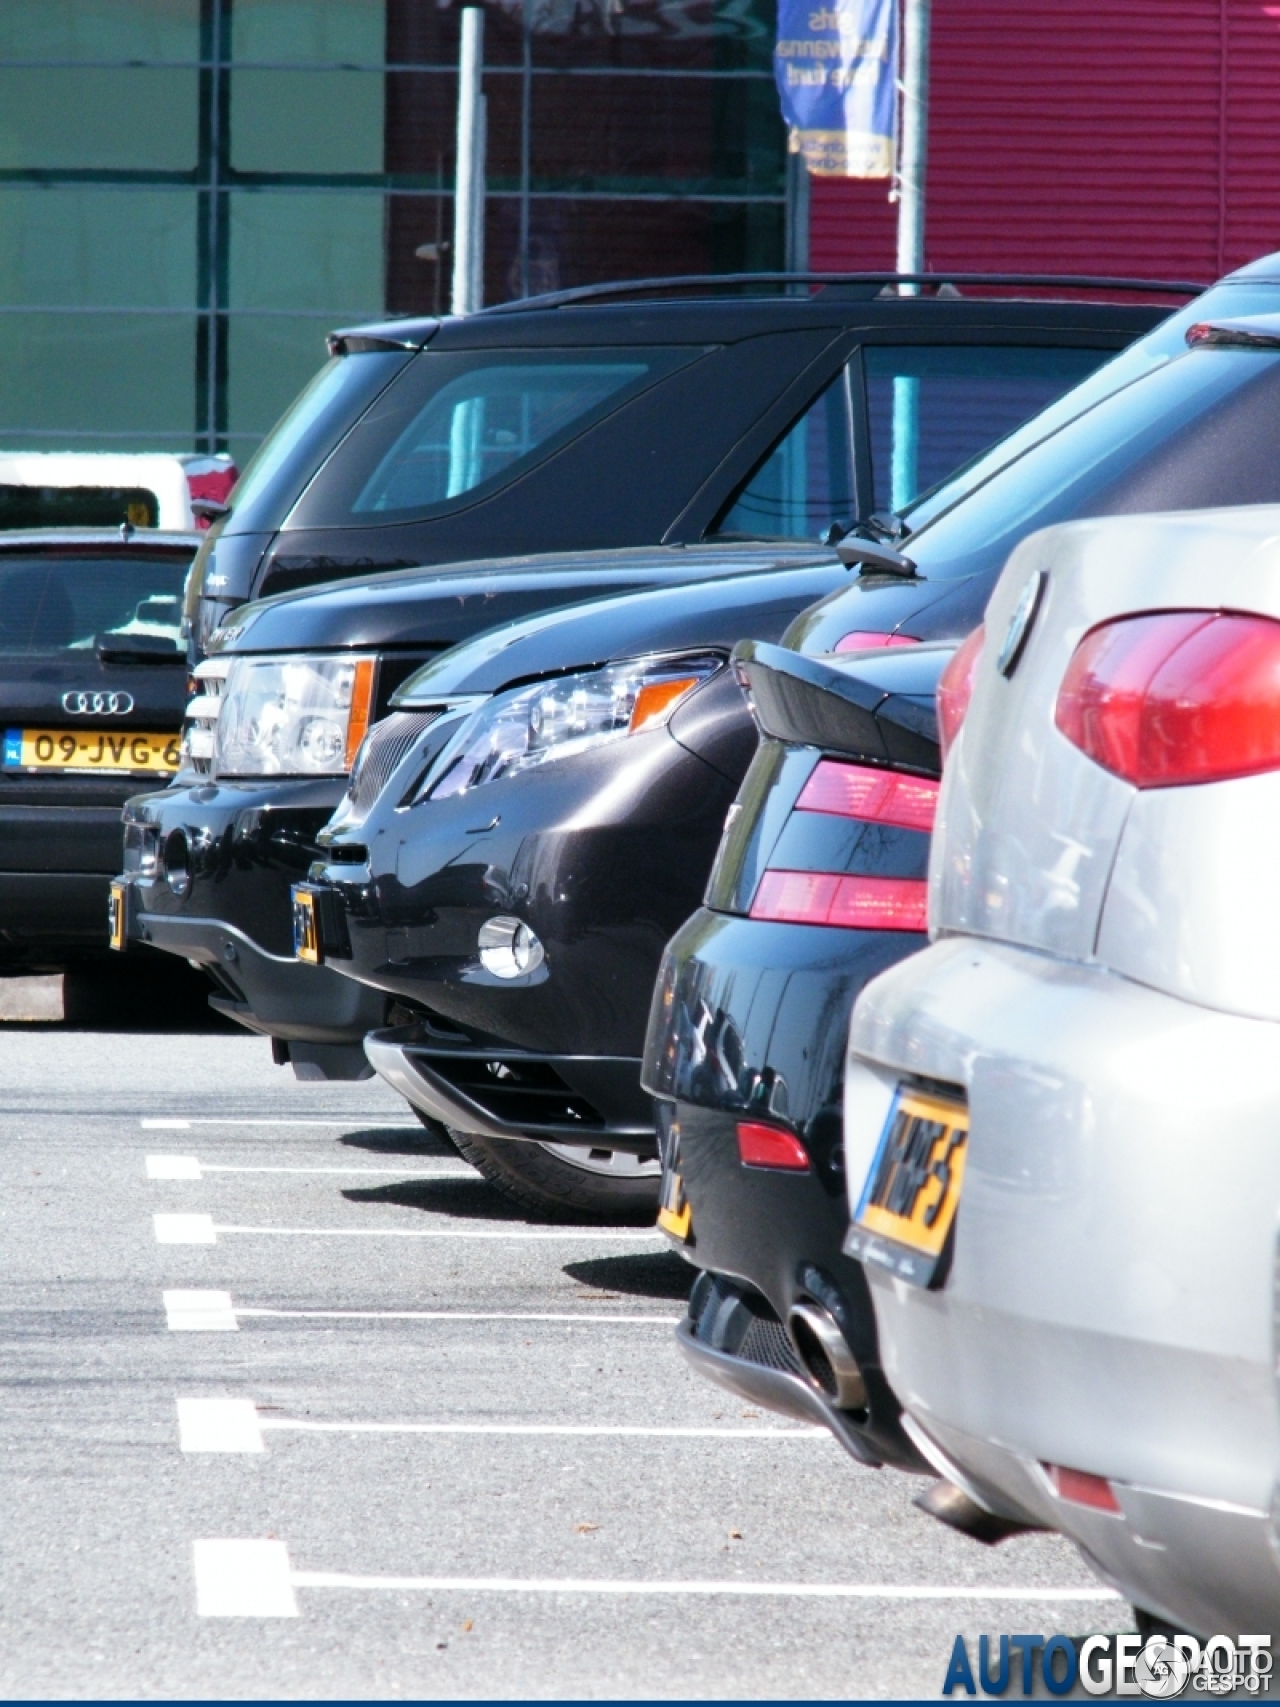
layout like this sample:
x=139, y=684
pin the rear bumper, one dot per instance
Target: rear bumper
x=1109, y=1305
x=53, y=896
x=499, y=1092
x=48, y=918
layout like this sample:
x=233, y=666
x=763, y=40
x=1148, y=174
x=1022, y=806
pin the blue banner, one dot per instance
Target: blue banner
x=836, y=67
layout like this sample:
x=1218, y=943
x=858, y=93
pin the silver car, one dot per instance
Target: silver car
x=1062, y=1118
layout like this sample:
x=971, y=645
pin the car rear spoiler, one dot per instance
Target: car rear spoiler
x=877, y=705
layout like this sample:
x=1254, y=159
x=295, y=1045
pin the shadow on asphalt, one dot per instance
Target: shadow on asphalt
x=386, y=1142
x=657, y=1274
x=466, y=1199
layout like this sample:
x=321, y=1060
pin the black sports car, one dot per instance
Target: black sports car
x=1195, y=432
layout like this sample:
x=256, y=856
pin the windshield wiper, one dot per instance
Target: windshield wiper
x=139, y=649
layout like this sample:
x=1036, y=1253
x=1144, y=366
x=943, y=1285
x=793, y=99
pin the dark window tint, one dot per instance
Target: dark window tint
x=933, y=408
x=806, y=482
x=455, y=426
x=1197, y=433
x=305, y=434
x=56, y=603
x=77, y=507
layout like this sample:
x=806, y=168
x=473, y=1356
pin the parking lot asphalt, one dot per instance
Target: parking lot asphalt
x=294, y=1405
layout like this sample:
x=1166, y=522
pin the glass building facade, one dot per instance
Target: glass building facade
x=193, y=191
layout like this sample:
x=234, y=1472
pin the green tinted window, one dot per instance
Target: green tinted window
x=56, y=603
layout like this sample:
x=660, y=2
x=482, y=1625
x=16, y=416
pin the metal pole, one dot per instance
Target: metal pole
x=914, y=137
x=797, y=214
x=913, y=158
x=526, y=140
x=468, y=196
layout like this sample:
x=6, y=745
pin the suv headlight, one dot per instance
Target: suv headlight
x=292, y=716
x=555, y=719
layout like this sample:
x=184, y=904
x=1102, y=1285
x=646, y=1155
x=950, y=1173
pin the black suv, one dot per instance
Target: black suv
x=713, y=437
x=634, y=415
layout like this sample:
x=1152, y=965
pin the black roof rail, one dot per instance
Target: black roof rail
x=691, y=281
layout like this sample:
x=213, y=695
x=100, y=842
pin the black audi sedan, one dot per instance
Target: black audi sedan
x=762, y=965
x=635, y=414
x=93, y=682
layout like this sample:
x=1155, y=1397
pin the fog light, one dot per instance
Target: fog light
x=508, y=948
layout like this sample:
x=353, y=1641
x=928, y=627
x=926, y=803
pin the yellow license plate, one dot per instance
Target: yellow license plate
x=675, y=1215
x=913, y=1186
x=306, y=927
x=90, y=750
x=116, y=915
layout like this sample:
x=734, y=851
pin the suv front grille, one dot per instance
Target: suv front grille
x=385, y=749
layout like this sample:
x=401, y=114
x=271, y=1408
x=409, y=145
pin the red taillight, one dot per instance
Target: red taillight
x=1176, y=697
x=762, y=1146
x=882, y=797
x=864, y=640
x=856, y=903
x=955, y=688
x=1081, y=1488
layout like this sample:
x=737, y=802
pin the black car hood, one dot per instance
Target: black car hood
x=708, y=615
x=439, y=607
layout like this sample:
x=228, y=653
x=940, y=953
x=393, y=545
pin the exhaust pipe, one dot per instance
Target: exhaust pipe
x=825, y=1353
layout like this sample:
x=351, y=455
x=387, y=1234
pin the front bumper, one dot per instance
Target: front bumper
x=1110, y=1297
x=241, y=846
x=749, y=1022
x=498, y=1092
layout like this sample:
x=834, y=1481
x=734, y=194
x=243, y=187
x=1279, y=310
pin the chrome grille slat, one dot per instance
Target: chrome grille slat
x=385, y=749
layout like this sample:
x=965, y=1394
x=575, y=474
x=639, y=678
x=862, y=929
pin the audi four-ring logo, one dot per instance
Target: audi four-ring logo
x=97, y=704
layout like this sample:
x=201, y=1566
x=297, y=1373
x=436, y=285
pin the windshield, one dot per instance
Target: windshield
x=57, y=603
x=78, y=506
x=1165, y=342
x=457, y=425
x=304, y=436
x=1197, y=433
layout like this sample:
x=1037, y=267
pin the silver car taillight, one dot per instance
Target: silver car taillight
x=202, y=713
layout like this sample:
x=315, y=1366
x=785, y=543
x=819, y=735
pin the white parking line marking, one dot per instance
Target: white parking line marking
x=460, y=1170
x=585, y=1430
x=219, y=1425
x=184, y=1229
x=625, y=1586
x=354, y=1122
x=173, y=1167
x=200, y=1312
x=535, y=1233
x=461, y=1316
x=243, y=1579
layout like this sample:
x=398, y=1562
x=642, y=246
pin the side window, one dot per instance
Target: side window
x=481, y=422
x=455, y=425
x=806, y=483
x=934, y=407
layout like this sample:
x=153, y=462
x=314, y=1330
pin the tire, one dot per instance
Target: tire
x=551, y=1182
x=1151, y=1623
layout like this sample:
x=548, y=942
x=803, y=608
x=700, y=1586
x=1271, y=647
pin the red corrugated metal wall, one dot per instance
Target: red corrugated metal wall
x=1136, y=138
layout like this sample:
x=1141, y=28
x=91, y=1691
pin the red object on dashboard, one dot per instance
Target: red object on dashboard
x=866, y=640
x=855, y=903
x=1172, y=698
x=860, y=791
x=955, y=688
